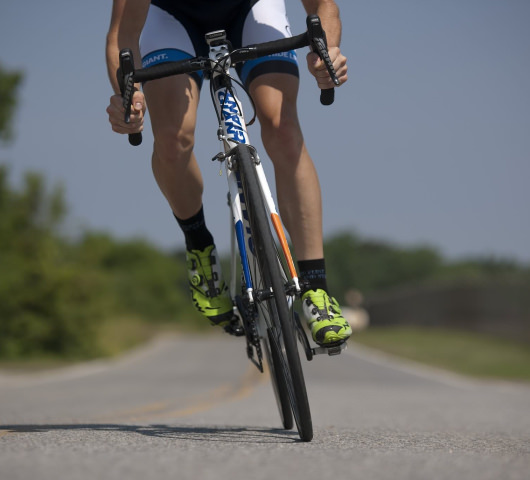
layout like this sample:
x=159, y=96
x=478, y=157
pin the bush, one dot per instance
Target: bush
x=47, y=304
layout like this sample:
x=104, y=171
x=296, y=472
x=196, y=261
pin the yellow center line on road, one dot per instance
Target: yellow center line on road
x=134, y=413
x=228, y=392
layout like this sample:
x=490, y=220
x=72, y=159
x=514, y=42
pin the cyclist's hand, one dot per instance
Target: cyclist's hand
x=319, y=71
x=116, y=113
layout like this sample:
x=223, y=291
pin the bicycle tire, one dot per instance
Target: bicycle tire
x=281, y=326
x=278, y=381
x=279, y=384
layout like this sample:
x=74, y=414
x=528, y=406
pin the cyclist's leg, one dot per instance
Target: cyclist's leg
x=297, y=184
x=299, y=195
x=172, y=104
x=273, y=83
x=274, y=86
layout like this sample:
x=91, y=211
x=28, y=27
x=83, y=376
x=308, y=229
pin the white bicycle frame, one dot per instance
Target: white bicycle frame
x=233, y=132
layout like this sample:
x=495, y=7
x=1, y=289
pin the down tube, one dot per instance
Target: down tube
x=239, y=227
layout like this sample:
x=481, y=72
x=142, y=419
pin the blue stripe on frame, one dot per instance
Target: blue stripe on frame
x=240, y=235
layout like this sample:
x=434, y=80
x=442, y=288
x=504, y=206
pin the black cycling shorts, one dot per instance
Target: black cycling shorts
x=174, y=30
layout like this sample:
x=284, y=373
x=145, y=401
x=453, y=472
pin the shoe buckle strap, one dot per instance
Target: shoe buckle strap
x=323, y=314
x=213, y=291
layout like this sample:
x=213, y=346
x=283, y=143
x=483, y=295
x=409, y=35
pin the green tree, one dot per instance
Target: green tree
x=58, y=296
x=9, y=84
x=374, y=266
x=144, y=280
x=371, y=265
x=47, y=303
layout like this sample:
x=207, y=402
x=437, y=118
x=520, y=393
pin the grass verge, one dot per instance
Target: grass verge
x=115, y=336
x=467, y=353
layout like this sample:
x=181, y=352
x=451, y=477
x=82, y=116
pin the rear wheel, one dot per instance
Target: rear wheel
x=271, y=301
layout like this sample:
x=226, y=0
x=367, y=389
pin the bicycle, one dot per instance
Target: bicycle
x=263, y=283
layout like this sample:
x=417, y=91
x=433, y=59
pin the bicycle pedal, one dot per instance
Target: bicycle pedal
x=235, y=328
x=331, y=350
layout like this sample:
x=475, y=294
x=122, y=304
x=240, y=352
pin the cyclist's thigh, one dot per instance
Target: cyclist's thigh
x=172, y=104
x=275, y=95
x=169, y=37
x=267, y=21
x=172, y=101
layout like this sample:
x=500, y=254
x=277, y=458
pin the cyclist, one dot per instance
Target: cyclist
x=169, y=30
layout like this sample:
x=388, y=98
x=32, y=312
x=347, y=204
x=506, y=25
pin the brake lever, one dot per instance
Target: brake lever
x=317, y=41
x=125, y=76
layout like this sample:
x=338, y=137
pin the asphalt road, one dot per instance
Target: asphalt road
x=194, y=407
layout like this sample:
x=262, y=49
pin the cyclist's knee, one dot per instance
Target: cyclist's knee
x=174, y=146
x=283, y=139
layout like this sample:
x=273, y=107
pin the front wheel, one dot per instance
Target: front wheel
x=279, y=384
x=271, y=300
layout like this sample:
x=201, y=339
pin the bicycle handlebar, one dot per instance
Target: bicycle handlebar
x=319, y=44
x=314, y=37
x=125, y=76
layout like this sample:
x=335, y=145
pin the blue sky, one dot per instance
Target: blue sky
x=428, y=142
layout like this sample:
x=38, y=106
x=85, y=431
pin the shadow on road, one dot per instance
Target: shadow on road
x=246, y=435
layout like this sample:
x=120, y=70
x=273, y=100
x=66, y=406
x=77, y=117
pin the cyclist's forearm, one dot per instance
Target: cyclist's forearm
x=328, y=11
x=127, y=20
x=112, y=54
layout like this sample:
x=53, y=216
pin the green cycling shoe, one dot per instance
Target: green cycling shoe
x=208, y=289
x=324, y=317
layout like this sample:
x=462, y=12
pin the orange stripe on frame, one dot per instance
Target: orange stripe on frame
x=283, y=242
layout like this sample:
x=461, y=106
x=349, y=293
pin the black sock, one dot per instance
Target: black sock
x=196, y=234
x=313, y=272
